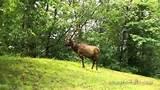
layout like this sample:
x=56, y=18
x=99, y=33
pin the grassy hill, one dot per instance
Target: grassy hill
x=18, y=73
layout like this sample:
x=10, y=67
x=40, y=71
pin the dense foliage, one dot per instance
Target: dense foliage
x=127, y=32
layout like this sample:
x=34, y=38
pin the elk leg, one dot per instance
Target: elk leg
x=96, y=64
x=82, y=61
x=93, y=64
x=96, y=60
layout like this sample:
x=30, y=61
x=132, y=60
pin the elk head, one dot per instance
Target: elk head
x=69, y=42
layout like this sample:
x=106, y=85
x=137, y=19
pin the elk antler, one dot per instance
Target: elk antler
x=72, y=34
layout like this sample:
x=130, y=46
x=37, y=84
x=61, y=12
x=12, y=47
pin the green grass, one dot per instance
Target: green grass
x=18, y=73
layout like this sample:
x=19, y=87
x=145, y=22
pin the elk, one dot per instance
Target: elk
x=85, y=50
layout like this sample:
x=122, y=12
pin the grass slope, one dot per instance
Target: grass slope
x=18, y=73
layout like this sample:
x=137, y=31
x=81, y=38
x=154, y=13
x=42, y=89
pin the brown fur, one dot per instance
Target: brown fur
x=85, y=50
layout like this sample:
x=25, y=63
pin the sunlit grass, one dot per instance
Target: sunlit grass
x=18, y=73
